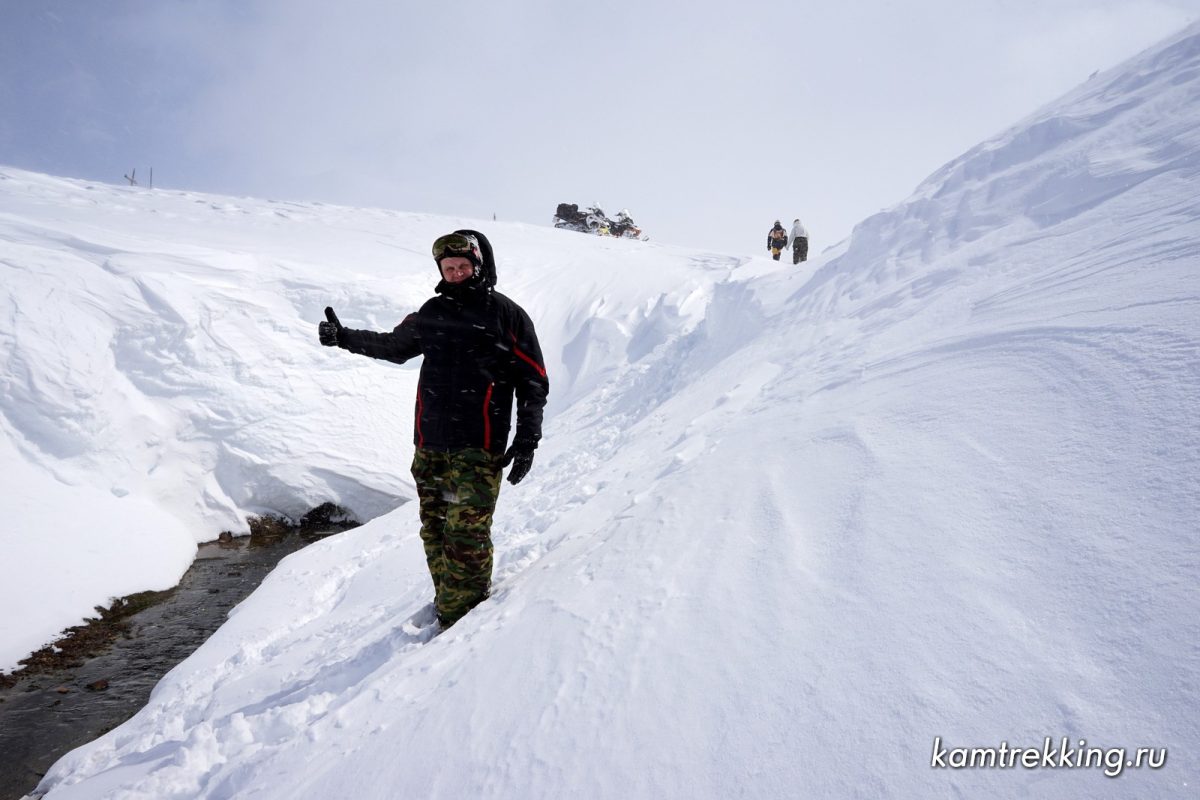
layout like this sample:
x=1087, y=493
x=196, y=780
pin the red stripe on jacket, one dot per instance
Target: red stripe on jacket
x=420, y=410
x=487, y=420
x=541, y=371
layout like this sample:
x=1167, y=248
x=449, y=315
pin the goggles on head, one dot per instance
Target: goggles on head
x=457, y=244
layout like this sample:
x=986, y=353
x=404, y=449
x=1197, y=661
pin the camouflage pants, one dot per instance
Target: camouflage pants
x=457, y=493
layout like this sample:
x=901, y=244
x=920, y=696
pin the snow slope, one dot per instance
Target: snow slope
x=161, y=373
x=787, y=525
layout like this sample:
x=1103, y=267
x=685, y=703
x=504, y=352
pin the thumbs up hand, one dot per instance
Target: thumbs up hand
x=329, y=332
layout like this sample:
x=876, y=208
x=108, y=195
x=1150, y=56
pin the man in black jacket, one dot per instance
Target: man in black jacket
x=480, y=351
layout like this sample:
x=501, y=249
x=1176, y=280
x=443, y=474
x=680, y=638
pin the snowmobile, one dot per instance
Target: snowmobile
x=593, y=220
x=625, y=227
x=589, y=220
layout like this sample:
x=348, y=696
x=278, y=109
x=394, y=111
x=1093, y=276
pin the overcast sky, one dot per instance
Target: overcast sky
x=706, y=120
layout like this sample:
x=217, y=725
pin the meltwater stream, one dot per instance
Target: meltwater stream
x=48, y=714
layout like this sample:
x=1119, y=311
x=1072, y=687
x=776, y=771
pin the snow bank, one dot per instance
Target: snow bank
x=161, y=369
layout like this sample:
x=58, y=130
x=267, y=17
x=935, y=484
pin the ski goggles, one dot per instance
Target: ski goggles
x=457, y=244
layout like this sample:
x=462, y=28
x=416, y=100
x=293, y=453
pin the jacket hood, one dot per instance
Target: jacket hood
x=487, y=270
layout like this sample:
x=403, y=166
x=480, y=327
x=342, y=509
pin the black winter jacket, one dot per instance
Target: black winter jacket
x=480, y=350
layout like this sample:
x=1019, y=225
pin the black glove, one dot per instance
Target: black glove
x=330, y=332
x=520, y=455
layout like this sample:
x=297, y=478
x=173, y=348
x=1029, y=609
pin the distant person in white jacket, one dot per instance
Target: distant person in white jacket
x=799, y=242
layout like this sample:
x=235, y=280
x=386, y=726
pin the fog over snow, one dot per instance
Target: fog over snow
x=787, y=525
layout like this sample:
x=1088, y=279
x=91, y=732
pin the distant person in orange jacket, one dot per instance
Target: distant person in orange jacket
x=777, y=239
